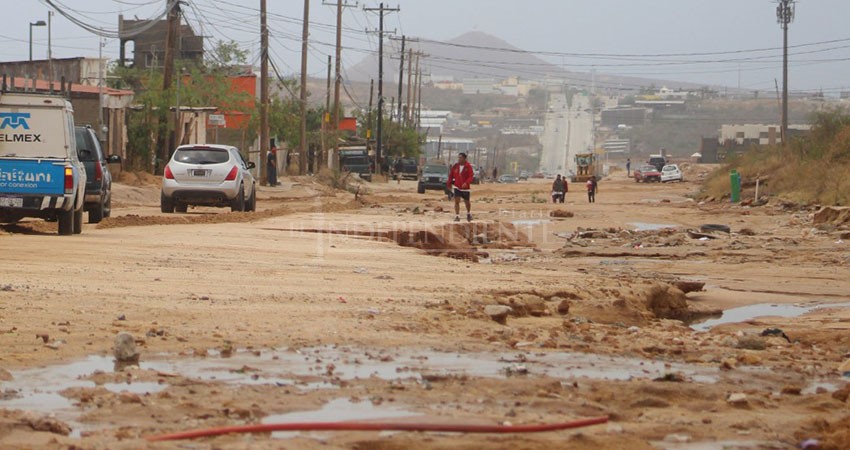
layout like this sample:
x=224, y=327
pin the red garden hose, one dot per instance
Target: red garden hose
x=378, y=426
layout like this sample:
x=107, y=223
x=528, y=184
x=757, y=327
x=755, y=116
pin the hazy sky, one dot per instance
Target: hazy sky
x=650, y=38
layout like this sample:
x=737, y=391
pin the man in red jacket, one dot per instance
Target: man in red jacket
x=460, y=178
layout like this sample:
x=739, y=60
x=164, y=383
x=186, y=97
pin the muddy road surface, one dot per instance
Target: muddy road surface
x=323, y=306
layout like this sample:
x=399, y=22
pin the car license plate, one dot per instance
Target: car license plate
x=12, y=202
x=199, y=173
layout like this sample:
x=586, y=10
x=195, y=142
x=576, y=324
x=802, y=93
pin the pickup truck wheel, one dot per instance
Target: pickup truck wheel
x=166, y=204
x=181, y=207
x=66, y=223
x=96, y=213
x=238, y=204
x=78, y=221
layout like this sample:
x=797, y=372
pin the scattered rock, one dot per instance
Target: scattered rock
x=438, y=209
x=677, y=438
x=842, y=394
x=5, y=375
x=564, y=307
x=561, y=213
x=747, y=232
x=122, y=317
x=48, y=424
x=671, y=377
x=792, y=390
x=729, y=364
x=738, y=399
x=667, y=302
x=650, y=403
x=751, y=343
x=689, y=286
x=125, y=348
x=498, y=313
x=480, y=239
x=45, y=338
x=835, y=215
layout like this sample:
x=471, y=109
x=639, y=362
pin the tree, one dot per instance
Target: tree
x=226, y=57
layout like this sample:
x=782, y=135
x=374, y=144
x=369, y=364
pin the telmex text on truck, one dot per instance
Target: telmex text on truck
x=40, y=172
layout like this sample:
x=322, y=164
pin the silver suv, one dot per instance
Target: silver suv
x=208, y=175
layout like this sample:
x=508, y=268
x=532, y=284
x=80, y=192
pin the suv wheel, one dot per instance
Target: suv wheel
x=166, y=204
x=238, y=204
x=107, y=208
x=181, y=207
x=96, y=213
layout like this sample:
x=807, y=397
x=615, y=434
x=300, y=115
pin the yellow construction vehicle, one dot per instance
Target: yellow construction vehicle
x=586, y=165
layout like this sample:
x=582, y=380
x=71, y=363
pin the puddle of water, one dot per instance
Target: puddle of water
x=643, y=226
x=813, y=387
x=745, y=313
x=717, y=445
x=322, y=368
x=140, y=388
x=530, y=223
x=341, y=409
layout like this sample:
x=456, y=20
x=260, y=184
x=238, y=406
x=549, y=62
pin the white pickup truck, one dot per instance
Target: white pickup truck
x=40, y=172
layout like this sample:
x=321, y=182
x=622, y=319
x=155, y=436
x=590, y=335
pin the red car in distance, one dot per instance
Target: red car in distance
x=647, y=173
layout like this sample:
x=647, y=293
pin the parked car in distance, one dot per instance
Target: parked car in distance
x=647, y=173
x=658, y=161
x=208, y=175
x=507, y=178
x=537, y=175
x=671, y=172
x=98, y=198
x=434, y=177
x=409, y=169
x=523, y=176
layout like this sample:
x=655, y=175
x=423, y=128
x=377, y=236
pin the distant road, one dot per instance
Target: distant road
x=567, y=130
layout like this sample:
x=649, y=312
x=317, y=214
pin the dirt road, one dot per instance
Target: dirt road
x=323, y=306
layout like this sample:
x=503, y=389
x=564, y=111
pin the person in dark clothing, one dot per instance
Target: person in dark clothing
x=628, y=167
x=495, y=174
x=271, y=168
x=559, y=189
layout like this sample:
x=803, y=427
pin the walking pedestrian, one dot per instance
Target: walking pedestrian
x=399, y=167
x=271, y=167
x=559, y=189
x=495, y=174
x=460, y=180
x=591, y=189
x=628, y=167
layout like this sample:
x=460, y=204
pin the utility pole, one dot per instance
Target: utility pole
x=400, y=79
x=369, y=120
x=162, y=146
x=264, y=93
x=326, y=117
x=409, y=109
x=418, y=93
x=305, y=32
x=332, y=159
x=382, y=11
x=785, y=15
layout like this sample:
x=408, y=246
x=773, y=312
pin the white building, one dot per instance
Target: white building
x=764, y=133
x=479, y=86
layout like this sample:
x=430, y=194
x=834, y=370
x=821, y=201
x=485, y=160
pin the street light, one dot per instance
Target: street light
x=40, y=23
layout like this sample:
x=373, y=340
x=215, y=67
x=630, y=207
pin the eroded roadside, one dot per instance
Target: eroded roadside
x=325, y=309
